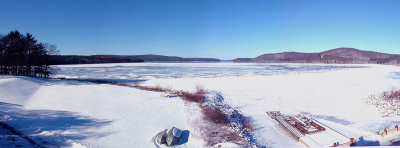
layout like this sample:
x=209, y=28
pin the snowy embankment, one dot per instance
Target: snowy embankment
x=337, y=96
x=334, y=94
x=79, y=114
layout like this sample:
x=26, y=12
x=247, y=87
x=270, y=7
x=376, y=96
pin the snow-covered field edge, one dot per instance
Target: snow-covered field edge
x=218, y=122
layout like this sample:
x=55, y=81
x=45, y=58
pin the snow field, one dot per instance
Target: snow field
x=117, y=116
x=97, y=115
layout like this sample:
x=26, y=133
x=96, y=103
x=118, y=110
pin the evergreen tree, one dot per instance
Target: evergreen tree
x=23, y=55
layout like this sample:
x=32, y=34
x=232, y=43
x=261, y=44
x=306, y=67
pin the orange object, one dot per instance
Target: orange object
x=351, y=140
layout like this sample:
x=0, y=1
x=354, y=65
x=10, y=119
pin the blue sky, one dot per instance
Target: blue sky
x=223, y=29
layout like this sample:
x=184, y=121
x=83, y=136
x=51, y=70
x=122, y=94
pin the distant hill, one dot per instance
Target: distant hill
x=75, y=59
x=338, y=55
x=94, y=59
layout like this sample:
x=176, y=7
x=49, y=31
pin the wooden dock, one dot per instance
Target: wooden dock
x=317, y=134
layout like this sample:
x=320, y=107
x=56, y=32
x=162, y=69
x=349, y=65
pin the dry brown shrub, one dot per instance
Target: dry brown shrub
x=213, y=134
x=192, y=97
x=200, y=89
x=393, y=94
x=214, y=115
x=156, y=88
x=247, y=124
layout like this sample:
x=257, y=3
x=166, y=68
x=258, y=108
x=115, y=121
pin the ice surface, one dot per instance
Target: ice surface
x=134, y=71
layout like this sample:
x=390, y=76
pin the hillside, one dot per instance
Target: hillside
x=338, y=55
x=75, y=59
x=95, y=59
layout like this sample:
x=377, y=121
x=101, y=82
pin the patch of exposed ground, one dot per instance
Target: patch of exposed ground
x=388, y=103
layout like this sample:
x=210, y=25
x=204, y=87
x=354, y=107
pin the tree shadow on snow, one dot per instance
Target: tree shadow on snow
x=46, y=127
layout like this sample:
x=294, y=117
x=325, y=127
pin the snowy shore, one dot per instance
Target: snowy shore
x=67, y=113
x=100, y=115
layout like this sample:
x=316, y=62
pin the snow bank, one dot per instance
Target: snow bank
x=67, y=113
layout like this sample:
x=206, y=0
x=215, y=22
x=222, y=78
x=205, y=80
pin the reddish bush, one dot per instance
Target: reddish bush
x=214, y=115
x=394, y=94
x=214, y=134
x=247, y=124
x=192, y=97
x=156, y=88
x=200, y=89
x=231, y=136
x=122, y=84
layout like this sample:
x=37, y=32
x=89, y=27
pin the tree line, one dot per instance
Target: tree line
x=23, y=55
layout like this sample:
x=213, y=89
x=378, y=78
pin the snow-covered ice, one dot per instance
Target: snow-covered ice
x=120, y=116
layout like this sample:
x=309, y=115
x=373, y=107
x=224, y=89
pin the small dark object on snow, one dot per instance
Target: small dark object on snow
x=161, y=137
x=169, y=137
x=173, y=136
